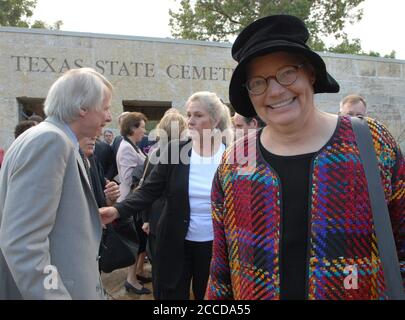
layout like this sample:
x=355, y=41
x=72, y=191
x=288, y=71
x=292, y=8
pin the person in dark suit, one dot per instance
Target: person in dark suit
x=108, y=136
x=106, y=192
x=105, y=157
x=113, y=170
x=23, y=126
x=183, y=175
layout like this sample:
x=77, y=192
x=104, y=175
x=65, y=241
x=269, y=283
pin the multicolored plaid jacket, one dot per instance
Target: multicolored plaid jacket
x=246, y=217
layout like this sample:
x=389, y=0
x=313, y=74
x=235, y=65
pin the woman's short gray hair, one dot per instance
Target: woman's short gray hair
x=77, y=88
x=217, y=110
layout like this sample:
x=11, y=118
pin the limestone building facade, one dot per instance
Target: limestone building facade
x=153, y=74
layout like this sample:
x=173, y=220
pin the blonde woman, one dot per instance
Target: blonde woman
x=184, y=233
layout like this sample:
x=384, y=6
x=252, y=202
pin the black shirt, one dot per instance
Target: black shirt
x=294, y=174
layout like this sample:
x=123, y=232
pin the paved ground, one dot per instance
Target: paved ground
x=114, y=284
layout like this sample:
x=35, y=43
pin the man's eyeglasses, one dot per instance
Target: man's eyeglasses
x=285, y=76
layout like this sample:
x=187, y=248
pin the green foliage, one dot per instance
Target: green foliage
x=373, y=54
x=39, y=24
x=391, y=55
x=14, y=13
x=218, y=20
x=347, y=46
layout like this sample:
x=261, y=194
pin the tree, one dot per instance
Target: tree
x=218, y=20
x=39, y=24
x=347, y=46
x=14, y=13
x=391, y=55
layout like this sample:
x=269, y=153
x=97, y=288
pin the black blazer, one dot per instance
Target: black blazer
x=170, y=180
x=97, y=181
x=105, y=156
x=113, y=170
x=153, y=213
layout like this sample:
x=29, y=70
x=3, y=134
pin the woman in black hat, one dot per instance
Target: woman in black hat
x=294, y=221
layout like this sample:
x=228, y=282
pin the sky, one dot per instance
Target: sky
x=381, y=28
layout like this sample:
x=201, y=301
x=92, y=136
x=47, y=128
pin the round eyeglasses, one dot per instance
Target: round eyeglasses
x=285, y=76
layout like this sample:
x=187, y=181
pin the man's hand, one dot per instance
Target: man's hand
x=112, y=192
x=146, y=228
x=108, y=214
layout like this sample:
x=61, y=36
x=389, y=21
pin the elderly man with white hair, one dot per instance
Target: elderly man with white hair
x=50, y=230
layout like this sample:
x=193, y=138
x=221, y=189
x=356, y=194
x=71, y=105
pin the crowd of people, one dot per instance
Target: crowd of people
x=273, y=202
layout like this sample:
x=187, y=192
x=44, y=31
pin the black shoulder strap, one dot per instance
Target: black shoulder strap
x=136, y=148
x=382, y=222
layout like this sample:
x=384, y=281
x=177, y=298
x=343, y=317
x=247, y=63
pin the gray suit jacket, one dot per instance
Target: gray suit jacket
x=48, y=219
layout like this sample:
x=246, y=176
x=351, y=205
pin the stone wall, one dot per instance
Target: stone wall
x=166, y=70
x=382, y=83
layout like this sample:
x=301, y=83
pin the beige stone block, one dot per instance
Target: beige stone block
x=341, y=68
x=350, y=86
x=366, y=68
x=391, y=70
x=396, y=87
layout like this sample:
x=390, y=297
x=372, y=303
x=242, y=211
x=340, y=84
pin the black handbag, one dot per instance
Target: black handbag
x=119, y=245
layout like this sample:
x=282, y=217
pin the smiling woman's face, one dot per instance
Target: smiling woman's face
x=282, y=105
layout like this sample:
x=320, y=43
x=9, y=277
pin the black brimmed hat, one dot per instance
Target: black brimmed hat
x=270, y=34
